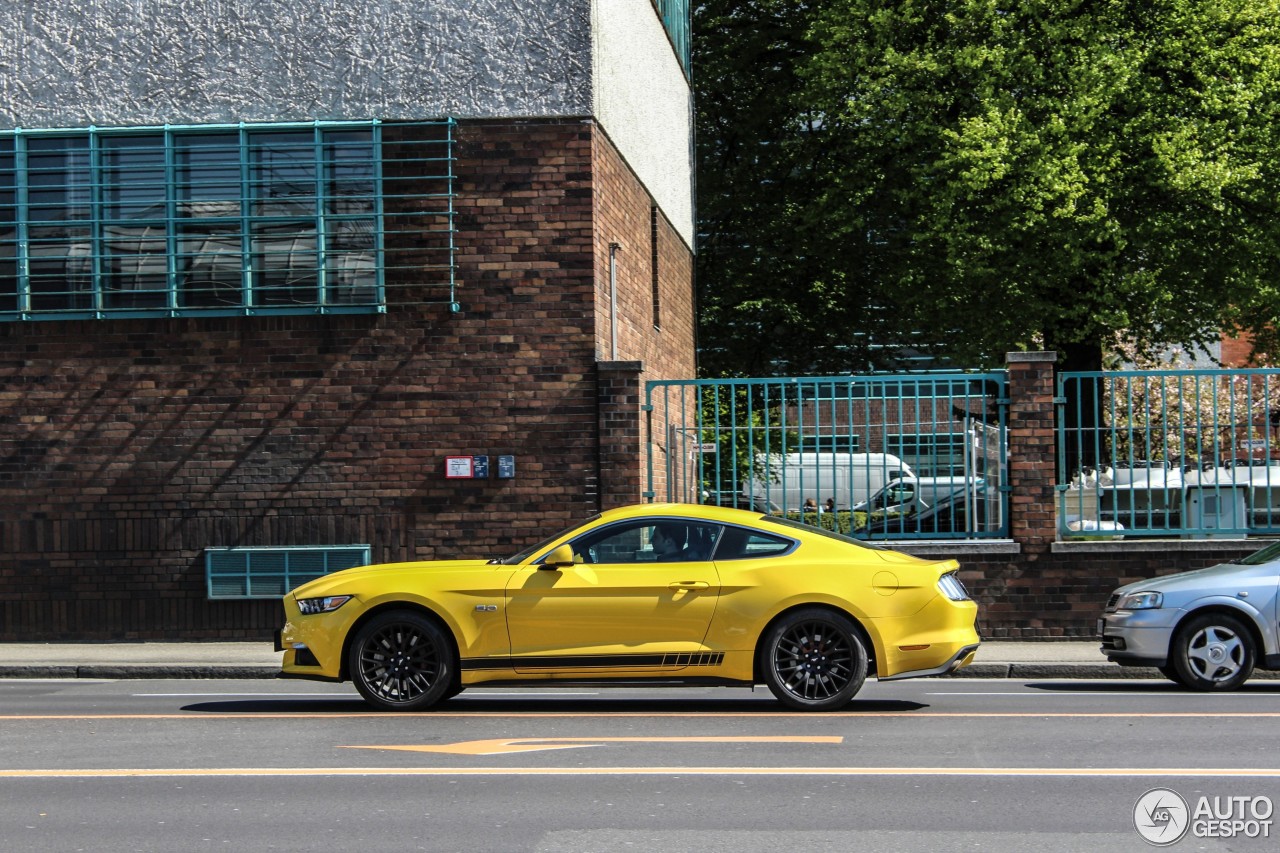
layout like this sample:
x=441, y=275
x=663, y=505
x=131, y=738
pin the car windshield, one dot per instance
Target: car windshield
x=516, y=559
x=830, y=534
x=1262, y=555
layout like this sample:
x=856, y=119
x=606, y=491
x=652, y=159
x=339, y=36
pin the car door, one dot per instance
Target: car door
x=625, y=605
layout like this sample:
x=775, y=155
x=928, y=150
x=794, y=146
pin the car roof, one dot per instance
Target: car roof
x=702, y=512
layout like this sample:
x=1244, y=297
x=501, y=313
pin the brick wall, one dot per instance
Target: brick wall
x=652, y=261
x=129, y=446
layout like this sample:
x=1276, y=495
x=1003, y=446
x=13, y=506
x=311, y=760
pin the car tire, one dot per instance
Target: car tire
x=1213, y=652
x=402, y=661
x=814, y=660
x=1170, y=672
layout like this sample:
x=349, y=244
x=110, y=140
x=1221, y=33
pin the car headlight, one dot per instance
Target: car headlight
x=328, y=604
x=1141, y=601
x=952, y=588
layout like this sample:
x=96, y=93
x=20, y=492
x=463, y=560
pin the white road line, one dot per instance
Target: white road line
x=1057, y=694
x=187, y=772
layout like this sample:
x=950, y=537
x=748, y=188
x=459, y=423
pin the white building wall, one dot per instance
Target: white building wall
x=72, y=63
x=643, y=101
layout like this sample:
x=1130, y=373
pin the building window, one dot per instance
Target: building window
x=653, y=257
x=675, y=18
x=272, y=572
x=266, y=219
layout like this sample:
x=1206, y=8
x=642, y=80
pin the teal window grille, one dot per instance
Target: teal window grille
x=675, y=17
x=222, y=220
x=270, y=572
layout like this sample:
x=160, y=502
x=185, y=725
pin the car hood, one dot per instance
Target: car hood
x=350, y=578
x=1219, y=578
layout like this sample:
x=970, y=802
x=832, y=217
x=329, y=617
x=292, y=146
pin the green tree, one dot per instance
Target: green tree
x=973, y=177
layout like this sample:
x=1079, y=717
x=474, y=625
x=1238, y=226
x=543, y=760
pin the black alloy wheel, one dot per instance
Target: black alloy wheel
x=814, y=660
x=402, y=661
x=1213, y=652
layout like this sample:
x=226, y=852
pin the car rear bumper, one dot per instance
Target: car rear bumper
x=960, y=659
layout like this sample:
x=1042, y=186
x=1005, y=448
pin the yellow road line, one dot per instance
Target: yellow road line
x=504, y=746
x=107, y=773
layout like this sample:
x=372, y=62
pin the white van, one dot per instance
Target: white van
x=850, y=478
x=909, y=495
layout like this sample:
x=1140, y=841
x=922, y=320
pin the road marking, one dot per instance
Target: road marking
x=501, y=746
x=1173, y=693
x=340, y=695
x=572, y=715
x=188, y=772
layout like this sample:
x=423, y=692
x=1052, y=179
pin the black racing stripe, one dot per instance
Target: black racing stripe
x=596, y=661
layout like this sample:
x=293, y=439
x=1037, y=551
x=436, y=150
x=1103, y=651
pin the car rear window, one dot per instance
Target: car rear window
x=740, y=543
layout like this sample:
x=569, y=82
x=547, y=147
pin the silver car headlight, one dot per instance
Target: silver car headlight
x=952, y=588
x=1141, y=601
x=328, y=604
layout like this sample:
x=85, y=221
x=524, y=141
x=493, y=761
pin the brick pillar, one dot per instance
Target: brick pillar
x=621, y=465
x=1032, y=449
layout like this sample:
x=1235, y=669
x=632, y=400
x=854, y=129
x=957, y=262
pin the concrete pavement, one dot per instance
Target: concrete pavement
x=995, y=659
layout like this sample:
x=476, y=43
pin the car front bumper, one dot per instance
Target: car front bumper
x=312, y=645
x=1138, y=637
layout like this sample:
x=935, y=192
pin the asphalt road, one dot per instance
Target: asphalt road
x=927, y=765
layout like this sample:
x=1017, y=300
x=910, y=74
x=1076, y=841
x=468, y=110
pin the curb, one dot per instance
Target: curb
x=138, y=671
x=113, y=672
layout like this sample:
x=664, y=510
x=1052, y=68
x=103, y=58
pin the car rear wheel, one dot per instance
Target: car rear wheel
x=401, y=661
x=814, y=660
x=1213, y=652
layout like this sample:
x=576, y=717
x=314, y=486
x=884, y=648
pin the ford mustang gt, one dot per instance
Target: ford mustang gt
x=653, y=593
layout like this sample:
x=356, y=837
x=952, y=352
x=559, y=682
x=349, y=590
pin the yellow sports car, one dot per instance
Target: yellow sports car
x=659, y=593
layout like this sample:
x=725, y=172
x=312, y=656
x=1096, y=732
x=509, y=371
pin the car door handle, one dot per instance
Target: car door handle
x=689, y=585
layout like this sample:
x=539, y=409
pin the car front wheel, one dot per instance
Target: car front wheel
x=814, y=660
x=401, y=661
x=1213, y=652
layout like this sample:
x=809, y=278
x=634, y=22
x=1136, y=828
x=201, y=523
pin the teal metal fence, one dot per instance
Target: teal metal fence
x=915, y=456
x=1192, y=453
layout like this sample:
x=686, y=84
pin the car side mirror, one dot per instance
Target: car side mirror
x=560, y=558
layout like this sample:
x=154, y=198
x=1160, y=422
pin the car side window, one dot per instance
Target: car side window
x=648, y=541
x=738, y=543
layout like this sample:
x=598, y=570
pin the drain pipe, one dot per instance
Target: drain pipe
x=613, y=300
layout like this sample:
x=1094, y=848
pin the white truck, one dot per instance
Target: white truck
x=849, y=478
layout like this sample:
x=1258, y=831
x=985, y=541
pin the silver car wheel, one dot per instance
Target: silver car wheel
x=1213, y=652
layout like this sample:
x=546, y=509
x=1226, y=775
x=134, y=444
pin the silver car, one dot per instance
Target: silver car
x=1206, y=630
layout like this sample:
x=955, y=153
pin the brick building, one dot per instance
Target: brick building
x=265, y=267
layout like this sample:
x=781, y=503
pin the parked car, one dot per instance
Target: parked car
x=960, y=513
x=658, y=593
x=1206, y=629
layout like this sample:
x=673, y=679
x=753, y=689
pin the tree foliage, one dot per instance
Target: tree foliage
x=977, y=176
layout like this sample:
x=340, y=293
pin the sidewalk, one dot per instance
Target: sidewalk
x=995, y=659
